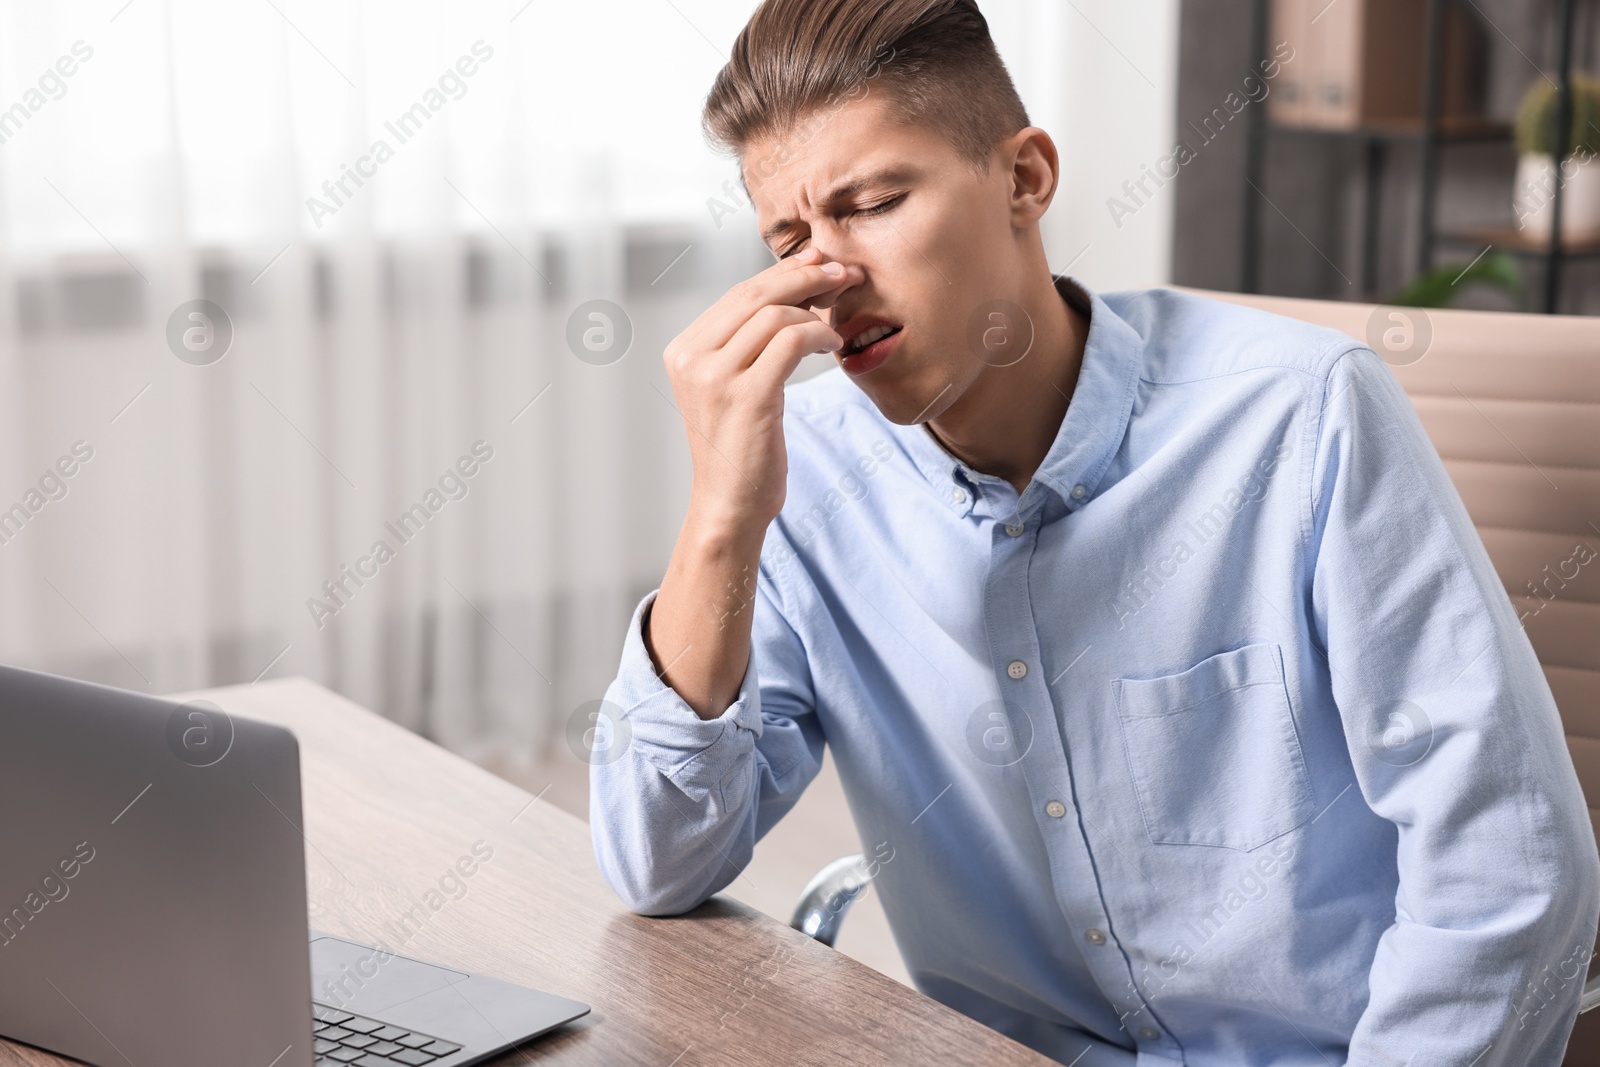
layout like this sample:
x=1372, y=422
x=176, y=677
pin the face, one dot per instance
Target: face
x=935, y=240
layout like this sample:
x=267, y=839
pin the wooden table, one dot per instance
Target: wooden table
x=387, y=817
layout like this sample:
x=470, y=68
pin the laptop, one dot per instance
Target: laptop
x=153, y=903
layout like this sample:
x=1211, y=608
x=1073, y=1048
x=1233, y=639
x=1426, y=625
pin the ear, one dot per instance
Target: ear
x=1034, y=170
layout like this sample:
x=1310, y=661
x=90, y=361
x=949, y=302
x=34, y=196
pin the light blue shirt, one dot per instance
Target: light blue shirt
x=1220, y=745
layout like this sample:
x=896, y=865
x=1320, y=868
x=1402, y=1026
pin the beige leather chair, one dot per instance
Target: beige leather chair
x=1512, y=403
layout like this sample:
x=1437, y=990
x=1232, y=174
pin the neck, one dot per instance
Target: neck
x=1008, y=418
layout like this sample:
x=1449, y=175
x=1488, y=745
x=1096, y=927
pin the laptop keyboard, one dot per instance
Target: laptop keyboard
x=340, y=1038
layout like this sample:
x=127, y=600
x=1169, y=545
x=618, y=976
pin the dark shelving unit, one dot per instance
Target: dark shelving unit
x=1431, y=134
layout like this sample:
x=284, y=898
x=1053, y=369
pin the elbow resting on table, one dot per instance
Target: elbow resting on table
x=656, y=901
x=652, y=888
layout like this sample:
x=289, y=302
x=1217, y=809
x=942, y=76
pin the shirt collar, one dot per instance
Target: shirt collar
x=1090, y=433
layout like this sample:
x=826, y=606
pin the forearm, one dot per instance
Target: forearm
x=698, y=630
x=677, y=802
x=1500, y=991
x=664, y=850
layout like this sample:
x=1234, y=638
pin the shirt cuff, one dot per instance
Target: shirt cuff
x=695, y=754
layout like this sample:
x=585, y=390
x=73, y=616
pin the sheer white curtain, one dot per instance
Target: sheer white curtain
x=397, y=209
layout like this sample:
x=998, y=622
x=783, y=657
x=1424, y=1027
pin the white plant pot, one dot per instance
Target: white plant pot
x=1534, y=197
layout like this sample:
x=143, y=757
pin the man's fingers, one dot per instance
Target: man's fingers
x=794, y=286
x=824, y=301
x=755, y=335
x=788, y=347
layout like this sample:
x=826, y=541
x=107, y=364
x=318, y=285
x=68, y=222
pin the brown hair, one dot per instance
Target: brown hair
x=797, y=61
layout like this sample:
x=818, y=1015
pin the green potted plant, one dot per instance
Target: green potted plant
x=1537, y=166
x=1444, y=286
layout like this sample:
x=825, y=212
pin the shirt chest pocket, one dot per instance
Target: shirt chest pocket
x=1214, y=753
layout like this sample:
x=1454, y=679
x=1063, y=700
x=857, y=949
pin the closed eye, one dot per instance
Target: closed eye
x=886, y=206
x=868, y=212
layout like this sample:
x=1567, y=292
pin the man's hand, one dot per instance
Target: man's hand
x=727, y=371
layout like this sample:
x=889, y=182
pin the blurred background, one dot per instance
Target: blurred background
x=283, y=282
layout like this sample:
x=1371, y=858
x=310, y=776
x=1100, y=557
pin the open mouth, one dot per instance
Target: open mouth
x=868, y=337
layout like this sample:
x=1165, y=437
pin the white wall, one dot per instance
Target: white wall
x=1101, y=77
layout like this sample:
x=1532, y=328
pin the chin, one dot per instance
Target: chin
x=909, y=402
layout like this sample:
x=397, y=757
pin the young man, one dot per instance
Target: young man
x=1175, y=697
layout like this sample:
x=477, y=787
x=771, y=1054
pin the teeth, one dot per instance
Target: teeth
x=867, y=337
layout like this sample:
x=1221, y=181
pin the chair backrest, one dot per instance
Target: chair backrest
x=1512, y=403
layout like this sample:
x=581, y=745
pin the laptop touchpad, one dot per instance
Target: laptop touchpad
x=365, y=980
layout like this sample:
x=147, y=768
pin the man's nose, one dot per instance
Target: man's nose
x=855, y=274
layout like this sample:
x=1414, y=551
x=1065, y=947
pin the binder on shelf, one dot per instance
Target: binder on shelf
x=1287, y=24
x=1365, y=61
x=1338, y=98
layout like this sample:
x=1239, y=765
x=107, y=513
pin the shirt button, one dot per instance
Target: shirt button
x=1017, y=669
x=1014, y=529
x=1079, y=492
x=1095, y=937
x=1149, y=1033
x=1055, y=809
x=958, y=495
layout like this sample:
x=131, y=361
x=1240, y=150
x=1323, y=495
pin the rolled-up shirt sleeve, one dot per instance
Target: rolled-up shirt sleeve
x=677, y=803
x=1456, y=740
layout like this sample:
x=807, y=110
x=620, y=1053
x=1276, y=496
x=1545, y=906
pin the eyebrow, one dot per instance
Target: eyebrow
x=890, y=175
